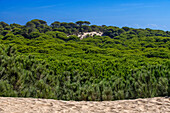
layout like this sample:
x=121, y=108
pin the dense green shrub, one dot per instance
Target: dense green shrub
x=27, y=77
x=52, y=62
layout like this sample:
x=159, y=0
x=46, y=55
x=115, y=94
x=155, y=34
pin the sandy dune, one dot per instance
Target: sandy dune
x=31, y=105
x=90, y=34
x=85, y=34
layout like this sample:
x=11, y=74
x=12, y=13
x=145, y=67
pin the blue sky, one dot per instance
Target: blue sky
x=132, y=13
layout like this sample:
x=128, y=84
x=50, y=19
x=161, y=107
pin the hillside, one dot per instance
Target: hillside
x=54, y=61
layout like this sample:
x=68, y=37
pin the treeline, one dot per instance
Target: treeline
x=52, y=62
x=40, y=26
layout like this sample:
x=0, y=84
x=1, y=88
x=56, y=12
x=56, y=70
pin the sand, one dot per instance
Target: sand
x=84, y=35
x=31, y=105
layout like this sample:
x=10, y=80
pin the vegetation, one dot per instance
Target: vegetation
x=37, y=60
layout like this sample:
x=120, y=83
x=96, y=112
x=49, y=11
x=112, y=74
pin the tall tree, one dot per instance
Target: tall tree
x=55, y=24
x=87, y=22
x=3, y=24
x=30, y=24
x=71, y=24
x=80, y=23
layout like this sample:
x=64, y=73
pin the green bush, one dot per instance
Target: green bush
x=52, y=62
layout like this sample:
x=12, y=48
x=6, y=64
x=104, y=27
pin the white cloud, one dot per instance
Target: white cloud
x=153, y=25
x=137, y=25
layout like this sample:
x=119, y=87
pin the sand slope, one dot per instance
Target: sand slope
x=31, y=105
x=85, y=34
x=90, y=34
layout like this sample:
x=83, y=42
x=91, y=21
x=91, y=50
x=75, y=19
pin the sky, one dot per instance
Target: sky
x=152, y=14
